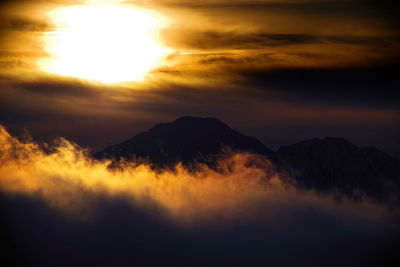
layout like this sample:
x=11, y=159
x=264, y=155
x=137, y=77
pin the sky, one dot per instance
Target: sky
x=281, y=71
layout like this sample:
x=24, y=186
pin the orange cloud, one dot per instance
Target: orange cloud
x=68, y=179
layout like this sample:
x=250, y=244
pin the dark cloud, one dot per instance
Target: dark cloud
x=337, y=86
x=59, y=89
x=124, y=235
x=310, y=6
x=232, y=40
x=25, y=24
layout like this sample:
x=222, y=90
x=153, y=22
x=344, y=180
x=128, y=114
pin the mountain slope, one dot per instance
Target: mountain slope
x=184, y=140
x=335, y=164
x=326, y=165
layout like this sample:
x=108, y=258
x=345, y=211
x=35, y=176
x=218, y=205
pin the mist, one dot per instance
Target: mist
x=62, y=207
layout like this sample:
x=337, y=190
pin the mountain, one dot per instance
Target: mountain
x=185, y=140
x=326, y=165
x=334, y=164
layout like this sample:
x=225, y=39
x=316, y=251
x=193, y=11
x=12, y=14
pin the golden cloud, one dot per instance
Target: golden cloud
x=68, y=179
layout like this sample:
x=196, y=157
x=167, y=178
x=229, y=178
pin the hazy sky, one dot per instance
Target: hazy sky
x=281, y=71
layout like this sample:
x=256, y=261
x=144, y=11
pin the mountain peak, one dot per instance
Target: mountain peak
x=185, y=139
x=334, y=141
x=197, y=119
x=327, y=140
x=189, y=123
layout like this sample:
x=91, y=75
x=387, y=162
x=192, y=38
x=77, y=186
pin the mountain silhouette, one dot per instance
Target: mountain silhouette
x=184, y=140
x=326, y=165
x=335, y=164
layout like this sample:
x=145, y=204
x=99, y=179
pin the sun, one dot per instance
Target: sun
x=104, y=43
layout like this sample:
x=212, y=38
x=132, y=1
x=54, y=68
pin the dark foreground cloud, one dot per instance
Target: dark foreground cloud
x=63, y=208
x=124, y=235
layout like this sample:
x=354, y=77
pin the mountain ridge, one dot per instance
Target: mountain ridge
x=185, y=139
x=330, y=164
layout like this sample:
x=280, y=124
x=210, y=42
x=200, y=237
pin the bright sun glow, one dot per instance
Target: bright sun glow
x=104, y=43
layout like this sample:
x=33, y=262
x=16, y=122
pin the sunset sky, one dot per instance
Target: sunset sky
x=79, y=78
x=281, y=71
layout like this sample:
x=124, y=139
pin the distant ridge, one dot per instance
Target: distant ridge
x=330, y=164
x=335, y=164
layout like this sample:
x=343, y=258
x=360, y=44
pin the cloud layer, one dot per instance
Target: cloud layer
x=64, y=174
x=62, y=202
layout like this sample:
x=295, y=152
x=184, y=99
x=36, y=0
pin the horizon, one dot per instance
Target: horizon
x=24, y=132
